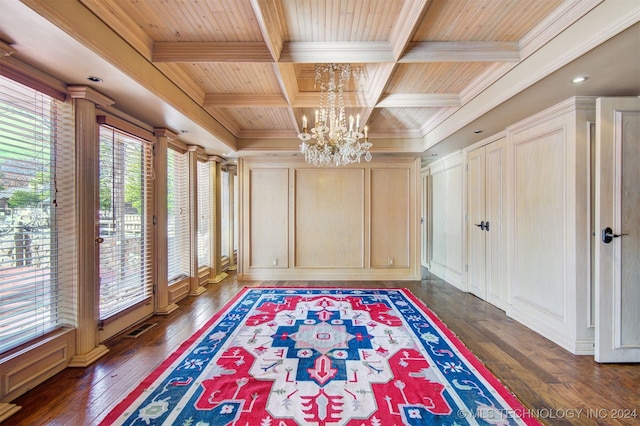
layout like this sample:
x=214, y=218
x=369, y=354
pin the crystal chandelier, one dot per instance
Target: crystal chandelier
x=331, y=142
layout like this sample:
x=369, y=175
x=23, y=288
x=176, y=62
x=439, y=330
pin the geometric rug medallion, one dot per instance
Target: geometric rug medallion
x=325, y=357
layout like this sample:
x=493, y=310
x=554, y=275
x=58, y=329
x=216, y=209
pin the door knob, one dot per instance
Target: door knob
x=480, y=225
x=608, y=235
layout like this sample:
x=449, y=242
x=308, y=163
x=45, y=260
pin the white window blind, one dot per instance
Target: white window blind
x=37, y=226
x=204, y=214
x=125, y=225
x=235, y=213
x=224, y=216
x=178, y=215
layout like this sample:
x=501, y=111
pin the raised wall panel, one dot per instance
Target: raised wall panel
x=330, y=214
x=390, y=202
x=539, y=221
x=178, y=290
x=35, y=364
x=548, y=224
x=454, y=246
x=439, y=215
x=425, y=219
x=447, y=261
x=331, y=223
x=269, y=217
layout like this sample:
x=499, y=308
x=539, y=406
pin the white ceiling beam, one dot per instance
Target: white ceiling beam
x=288, y=81
x=379, y=82
x=461, y=51
x=408, y=21
x=181, y=51
x=336, y=52
x=270, y=18
x=312, y=100
x=239, y=100
x=419, y=100
x=377, y=85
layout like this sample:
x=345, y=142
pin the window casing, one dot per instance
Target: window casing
x=37, y=219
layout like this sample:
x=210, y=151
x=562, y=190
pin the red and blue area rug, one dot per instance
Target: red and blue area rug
x=325, y=357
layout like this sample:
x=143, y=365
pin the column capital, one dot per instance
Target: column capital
x=90, y=94
x=196, y=148
x=164, y=132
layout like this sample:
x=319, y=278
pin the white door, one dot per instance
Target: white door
x=476, y=235
x=617, y=221
x=485, y=201
x=494, y=206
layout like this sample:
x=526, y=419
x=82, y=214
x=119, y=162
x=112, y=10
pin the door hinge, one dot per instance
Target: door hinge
x=466, y=268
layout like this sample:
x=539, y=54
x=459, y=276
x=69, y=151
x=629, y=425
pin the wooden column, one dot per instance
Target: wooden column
x=233, y=170
x=87, y=177
x=194, y=285
x=217, y=274
x=163, y=305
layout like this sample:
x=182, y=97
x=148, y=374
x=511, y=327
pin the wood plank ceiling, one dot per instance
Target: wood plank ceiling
x=249, y=63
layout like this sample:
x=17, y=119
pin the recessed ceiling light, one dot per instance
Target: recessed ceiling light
x=94, y=79
x=579, y=79
x=477, y=132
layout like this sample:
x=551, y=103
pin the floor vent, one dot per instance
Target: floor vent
x=136, y=332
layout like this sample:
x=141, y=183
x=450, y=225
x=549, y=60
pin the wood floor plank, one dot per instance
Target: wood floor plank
x=547, y=379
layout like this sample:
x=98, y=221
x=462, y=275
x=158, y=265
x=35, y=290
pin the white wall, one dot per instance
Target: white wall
x=547, y=223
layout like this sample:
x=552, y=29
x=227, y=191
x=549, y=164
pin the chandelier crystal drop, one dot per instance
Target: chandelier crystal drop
x=331, y=141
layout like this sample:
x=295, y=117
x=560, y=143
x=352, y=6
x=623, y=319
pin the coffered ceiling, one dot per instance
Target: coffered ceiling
x=236, y=76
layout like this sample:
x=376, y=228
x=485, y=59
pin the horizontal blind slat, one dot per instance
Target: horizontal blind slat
x=126, y=273
x=178, y=254
x=37, y=159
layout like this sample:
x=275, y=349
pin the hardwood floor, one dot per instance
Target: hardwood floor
x=547, y=379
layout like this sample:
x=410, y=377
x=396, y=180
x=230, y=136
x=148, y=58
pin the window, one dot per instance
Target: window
x=204, y=214
x=235, y=213
x=125, y=226
x=224, y=203
x=37, y=199
x=177, y=215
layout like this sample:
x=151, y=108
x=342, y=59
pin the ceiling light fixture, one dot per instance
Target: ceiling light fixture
x=6, y=49
x=579, y=79
x=94, y=79
x=331, y=142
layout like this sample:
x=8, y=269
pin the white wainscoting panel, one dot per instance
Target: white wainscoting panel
x=447, y=257
x=548, y=223
x=357, y=222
